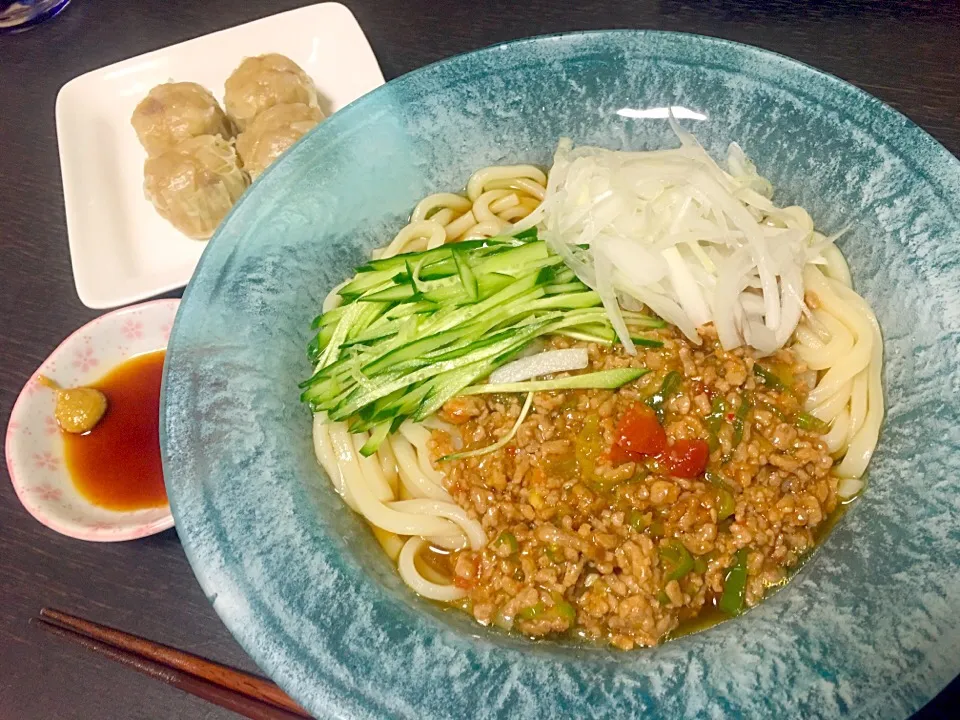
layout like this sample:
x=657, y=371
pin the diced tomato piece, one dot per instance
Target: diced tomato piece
x=686, y=458
x=639, y=434
x=619, y=456
x=463, y=583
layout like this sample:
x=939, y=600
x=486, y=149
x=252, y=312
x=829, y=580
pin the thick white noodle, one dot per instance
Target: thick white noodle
x=836, y=265
x=411, y=473
x=419, y=437
x=439, y=201
x=372, y=471
x=388, y=463
x=836, y=439
x=862, y=444
x=820, y=355
x=369, y=506
x=479, y=180
x=473, y=532
x=327, y=458
x=428, y=230
x=495, y=198
x=407, y=566
x=833, y=406
x=843, y=339
x=391, y=543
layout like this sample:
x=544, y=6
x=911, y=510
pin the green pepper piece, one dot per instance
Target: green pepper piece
x=555, y=553
x=561, y=608
x=639, y=521
x=658, y=401
x=676, y=559
x=588, y=446
x=739, y=418
x=735, y=584
x=529, y=613
x=701, y=563
x=769, y=379
x=772, y=409
x=508, y=539
x=714, y=421
x=726, y=503
x=566, y=611
x=808, y=422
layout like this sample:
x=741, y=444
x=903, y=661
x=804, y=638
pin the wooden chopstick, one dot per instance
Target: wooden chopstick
x=249, y=695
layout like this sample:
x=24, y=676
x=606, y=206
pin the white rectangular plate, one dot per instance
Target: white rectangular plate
x=121, y=250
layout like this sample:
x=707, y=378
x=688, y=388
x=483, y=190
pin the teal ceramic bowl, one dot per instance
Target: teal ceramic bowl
x=869, y=628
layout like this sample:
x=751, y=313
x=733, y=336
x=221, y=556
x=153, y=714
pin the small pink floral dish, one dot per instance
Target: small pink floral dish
x=34, y=445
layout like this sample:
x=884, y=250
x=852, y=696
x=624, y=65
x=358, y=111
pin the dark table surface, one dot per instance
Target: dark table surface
x=906, y=53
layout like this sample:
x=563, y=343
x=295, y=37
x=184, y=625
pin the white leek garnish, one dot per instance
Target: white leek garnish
x=543, y=363
x=672, y=230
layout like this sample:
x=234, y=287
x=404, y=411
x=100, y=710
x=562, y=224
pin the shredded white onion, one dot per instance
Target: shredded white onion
x=544, y=363
x=671, y=229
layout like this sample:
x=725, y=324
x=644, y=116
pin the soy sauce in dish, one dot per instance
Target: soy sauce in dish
x=116, y=465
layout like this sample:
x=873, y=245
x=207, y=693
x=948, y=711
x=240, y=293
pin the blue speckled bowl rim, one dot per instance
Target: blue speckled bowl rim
x=889, y=117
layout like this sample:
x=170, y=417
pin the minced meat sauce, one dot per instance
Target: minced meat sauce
x=622, y=516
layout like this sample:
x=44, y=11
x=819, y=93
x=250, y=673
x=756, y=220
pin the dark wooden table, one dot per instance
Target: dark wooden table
x=906, y=53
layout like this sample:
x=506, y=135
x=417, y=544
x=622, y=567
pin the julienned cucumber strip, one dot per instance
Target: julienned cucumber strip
x=600, y=380
x=467, y=277
x=387, y=383
x=363, y=282
x=445, y=252
x=451, y=384
x=640, y=320
x=399, y=262
x=377, y=436
x=339, y=335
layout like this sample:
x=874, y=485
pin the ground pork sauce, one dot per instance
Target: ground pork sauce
x=592, y=539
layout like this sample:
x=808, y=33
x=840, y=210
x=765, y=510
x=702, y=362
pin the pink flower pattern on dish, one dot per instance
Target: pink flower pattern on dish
x=85, y=359
x=46, y=461
x=47, y=493
x=36, y=465
x=132, y=329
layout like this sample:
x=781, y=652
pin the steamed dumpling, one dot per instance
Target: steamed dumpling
x=272, y=132
x=262, y=82
x=195, y=184
x=174, y=112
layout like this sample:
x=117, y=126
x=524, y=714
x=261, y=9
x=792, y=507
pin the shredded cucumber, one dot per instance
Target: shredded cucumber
x=602, y=380
x=416, y=329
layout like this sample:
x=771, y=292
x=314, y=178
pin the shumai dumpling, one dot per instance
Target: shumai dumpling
x=262, y=82
x=195, y=184
x=272, y=132
x=174, y=112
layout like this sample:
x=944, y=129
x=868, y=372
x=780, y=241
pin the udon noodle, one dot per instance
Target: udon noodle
x=402, y=496
x=840, y=339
